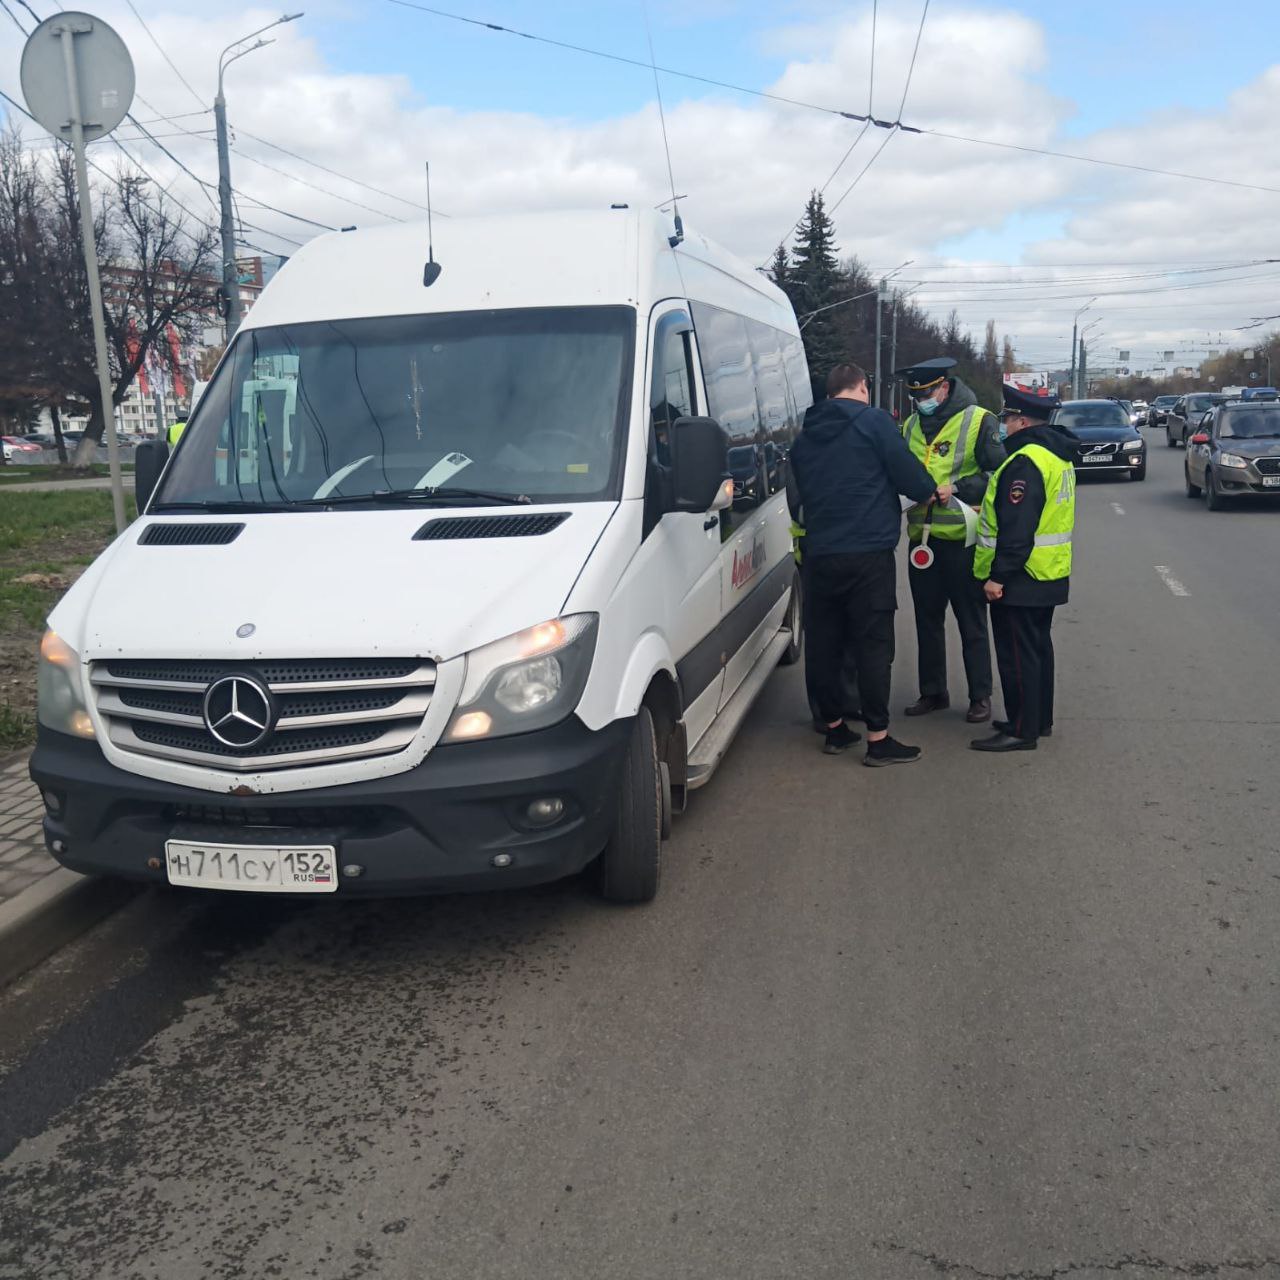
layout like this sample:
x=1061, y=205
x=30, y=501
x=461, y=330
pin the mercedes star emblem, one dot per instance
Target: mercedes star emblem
x=238, y=711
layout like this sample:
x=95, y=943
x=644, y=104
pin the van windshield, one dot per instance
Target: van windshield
x=496, y=406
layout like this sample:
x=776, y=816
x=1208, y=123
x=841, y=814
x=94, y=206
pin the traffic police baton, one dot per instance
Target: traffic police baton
x=921, y=556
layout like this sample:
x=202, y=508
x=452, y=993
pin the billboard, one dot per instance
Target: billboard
x=1040, y=382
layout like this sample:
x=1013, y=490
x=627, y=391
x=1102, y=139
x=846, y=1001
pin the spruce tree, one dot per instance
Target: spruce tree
x=780, y=268
x=816, y=281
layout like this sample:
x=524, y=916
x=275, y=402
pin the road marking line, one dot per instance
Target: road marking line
x=1170, y=581
x=1117, y=508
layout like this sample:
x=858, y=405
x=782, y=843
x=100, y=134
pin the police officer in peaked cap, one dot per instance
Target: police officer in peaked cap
x=1023, y=564
x=959, y=442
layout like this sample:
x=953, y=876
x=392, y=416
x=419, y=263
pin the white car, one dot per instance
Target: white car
x=1141, y=411
x=448, y=587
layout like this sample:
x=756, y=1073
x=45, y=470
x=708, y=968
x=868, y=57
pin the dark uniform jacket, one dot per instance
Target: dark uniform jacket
x=1020, y=499
x=989, y=452
x=849, y=464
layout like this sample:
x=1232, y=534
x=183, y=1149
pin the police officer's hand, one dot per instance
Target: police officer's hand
x=944, y=494
x=993, y=591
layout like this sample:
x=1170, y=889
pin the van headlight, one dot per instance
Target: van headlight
x=59, y=701
x=527, y=681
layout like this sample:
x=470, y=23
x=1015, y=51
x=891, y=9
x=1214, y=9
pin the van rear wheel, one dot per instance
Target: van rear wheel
x=795, y=621
x=631, y=865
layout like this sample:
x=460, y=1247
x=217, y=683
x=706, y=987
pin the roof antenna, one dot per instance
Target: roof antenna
x=666, y=146
x=431, y=270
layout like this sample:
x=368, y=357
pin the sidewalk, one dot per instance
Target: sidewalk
x=42, y=906
x=23, y=857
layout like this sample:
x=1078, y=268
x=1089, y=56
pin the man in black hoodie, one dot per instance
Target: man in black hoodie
x=1023, y=562
x=850, y=463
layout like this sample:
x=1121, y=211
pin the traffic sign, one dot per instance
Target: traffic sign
x=103, y=71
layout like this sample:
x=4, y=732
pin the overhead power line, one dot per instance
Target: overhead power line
x=160, y=48
x=244, y=155
x=898, y=126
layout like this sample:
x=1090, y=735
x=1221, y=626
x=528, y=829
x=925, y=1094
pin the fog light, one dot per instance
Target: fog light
x=52, y=802
x=354, y=870
x=502, y=860
x=58, y=846
x=542, y=813
x=475, y=724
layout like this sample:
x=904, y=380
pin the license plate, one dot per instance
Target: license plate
x=1271, y=482
x=254, y=868
x=1098, y=457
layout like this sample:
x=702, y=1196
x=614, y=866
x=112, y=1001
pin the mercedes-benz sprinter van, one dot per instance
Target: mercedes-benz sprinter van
x=453, y=585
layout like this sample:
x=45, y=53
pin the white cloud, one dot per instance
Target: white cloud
x=748, y=164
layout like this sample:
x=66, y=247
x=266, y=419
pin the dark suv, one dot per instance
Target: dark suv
x=1235, y=450
x=1103, y=437
x=1159, y=407
x=1185, y=416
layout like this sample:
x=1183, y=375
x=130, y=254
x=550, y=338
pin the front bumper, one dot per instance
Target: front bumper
x=1114, y=462
x=434, y=828
x=1237, y=483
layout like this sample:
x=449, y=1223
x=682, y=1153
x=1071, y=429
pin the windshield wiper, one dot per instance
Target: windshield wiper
x=227, y=507
x=425, y=497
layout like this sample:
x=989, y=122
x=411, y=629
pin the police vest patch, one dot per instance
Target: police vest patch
x=943, y=449
x=1017, y=491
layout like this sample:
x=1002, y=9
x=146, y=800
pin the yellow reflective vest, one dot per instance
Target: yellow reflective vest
x=175, y=433
x=1050, y=558
x=950, y=456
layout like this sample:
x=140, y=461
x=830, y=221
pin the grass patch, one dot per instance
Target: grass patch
x=17, y=729
x=27, y=519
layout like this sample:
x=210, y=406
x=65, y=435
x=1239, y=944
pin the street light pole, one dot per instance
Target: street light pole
x=230, y=273
x=880, y=298
x=1075, y=386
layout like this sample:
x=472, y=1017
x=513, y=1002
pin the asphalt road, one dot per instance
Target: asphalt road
x=1011, y=1017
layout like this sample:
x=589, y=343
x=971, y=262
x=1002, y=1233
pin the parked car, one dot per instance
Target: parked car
x=1140, y=412
x=16, y=449
x=1160, y=406
x=1108, y=441
x=1235, y=450
x=1185, y=416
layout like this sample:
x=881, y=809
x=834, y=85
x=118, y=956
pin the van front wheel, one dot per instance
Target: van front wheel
x=795, y=622
x=631, y=865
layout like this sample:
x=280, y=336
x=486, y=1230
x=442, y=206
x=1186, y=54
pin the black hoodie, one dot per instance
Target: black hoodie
x=849, y=465
x=1018, y=515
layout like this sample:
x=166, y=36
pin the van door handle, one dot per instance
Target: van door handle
x=710, y=522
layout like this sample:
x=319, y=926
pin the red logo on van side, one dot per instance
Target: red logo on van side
x=746, y=567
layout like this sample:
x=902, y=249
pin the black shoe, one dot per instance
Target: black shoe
x=888, y=751
x=839, y=739
x=929, y=702
x=979, y=711
x=1005, y=726
x=1003, y=742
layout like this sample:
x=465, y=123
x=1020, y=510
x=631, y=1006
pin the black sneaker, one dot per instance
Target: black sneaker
x=889, y=751
x=839, y=739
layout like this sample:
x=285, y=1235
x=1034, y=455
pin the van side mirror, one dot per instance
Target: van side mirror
x=699, y=447
x=149, y=459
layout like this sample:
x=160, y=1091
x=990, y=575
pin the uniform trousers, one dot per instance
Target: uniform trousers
x=1024, y=653
x=950, y=581
x=852, y=599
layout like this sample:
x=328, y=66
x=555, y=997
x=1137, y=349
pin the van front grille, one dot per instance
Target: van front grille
x=316, y=710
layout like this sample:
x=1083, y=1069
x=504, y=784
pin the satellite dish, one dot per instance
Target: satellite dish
x=104, y=75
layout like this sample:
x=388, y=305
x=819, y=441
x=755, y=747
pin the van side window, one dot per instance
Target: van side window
x=727, y=372
x=672, y=394
x=773, y=399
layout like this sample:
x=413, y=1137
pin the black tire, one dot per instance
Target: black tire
x=1193, y=490
x=1138, y=473
x=631, y=865
x=1212, y=498
x=795, y=620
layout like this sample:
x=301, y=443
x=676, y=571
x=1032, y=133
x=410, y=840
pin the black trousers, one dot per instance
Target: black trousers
x=950, y=581
x=852, y=599
x=850, y=699
x=1024, y=652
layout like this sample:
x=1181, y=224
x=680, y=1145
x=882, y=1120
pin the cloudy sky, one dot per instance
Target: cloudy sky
x=370, y=90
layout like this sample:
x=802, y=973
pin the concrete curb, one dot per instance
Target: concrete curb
x=52, y=912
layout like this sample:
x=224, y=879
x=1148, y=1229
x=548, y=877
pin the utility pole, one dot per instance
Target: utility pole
x=881, y=293
x=1072, y=380
x=230, y=273
x=893, y=351
x=1084, y=373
